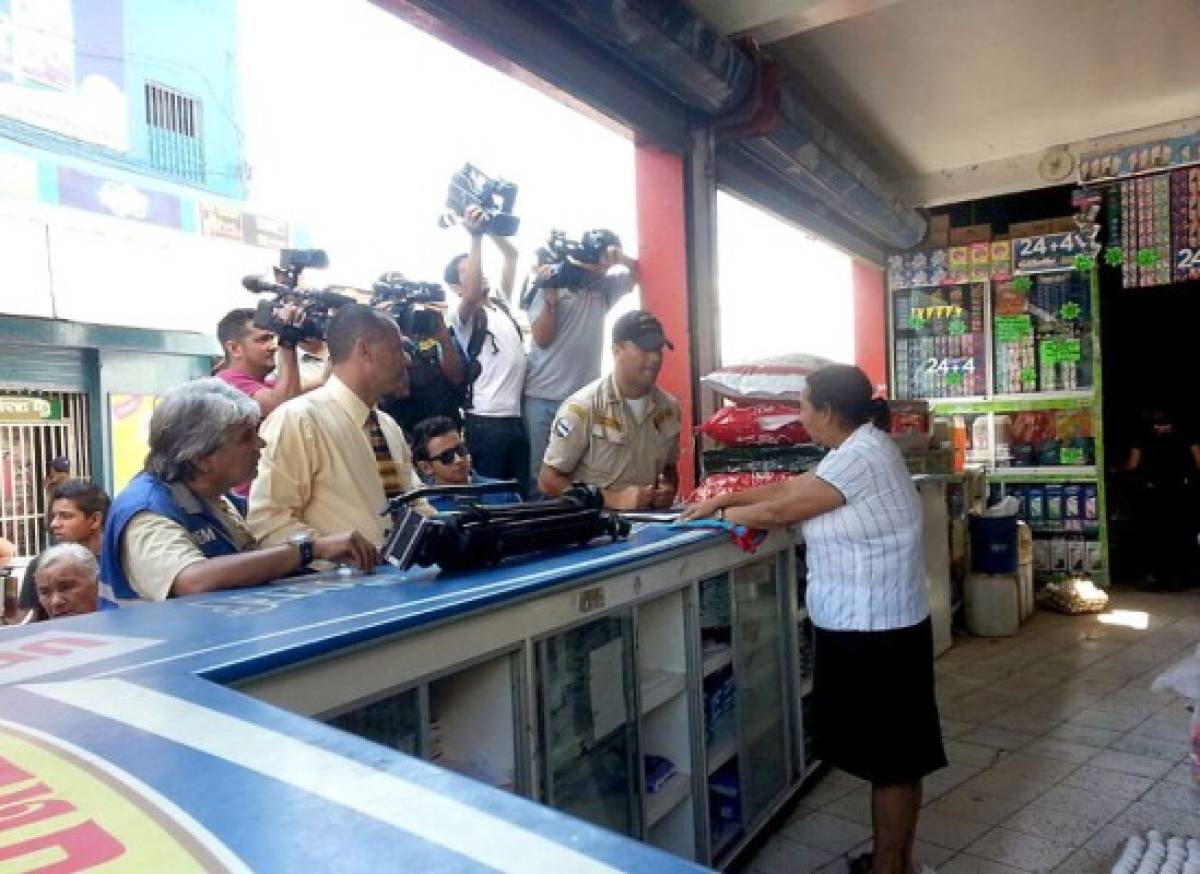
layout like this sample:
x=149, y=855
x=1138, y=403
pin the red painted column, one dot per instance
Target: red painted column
x=870, y=322
x=662, y=256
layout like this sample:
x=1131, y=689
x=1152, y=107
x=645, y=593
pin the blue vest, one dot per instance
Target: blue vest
x=146, y=493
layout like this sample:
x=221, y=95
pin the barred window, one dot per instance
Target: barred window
x=173, y=121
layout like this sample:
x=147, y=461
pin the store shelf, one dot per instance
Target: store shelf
x=717, y=659
x=1056, y=474
x=1017, y=403
x=659, y=687
x=722, y=750
x=667, y=798
x=723, y=841
x=811, y=768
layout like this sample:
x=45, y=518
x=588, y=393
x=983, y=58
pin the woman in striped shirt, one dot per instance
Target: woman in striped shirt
x=875, y=709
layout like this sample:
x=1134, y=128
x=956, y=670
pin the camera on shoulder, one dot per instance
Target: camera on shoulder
x=408, y=304
x=295, y=315
x=568, y=264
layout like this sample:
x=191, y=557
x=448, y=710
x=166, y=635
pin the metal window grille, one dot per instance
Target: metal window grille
x=173, y=121
x=26, y=449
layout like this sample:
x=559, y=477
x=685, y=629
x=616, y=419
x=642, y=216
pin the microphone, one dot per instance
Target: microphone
x=259, y=285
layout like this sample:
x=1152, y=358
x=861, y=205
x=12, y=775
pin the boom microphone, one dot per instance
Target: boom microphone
x=259, y=285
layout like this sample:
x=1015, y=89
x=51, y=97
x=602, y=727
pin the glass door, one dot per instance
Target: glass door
x=758, y=653
x=393, y=721
x=588, y=723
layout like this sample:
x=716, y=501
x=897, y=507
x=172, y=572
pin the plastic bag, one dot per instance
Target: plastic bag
x=1183, y=678
x=772, y=379
x=756, y=425
x=728, y=483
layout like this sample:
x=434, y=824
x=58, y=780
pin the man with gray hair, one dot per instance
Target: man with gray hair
x=66, y=582
x=172, y=531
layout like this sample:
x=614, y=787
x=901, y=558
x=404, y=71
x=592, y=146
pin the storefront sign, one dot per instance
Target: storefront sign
x=64, y=812
x=1047, y=252
x=120, y=199
x=221, y=220
x=23, y=409
x=269, y=233
x=129, y=424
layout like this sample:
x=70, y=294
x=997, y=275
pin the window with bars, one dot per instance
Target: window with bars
x=176, y=140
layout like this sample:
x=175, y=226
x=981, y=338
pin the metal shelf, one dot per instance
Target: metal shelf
x=672, y=793
x=721, y=658
x=1018, y=403
x=659, y=687
x=1056, y=474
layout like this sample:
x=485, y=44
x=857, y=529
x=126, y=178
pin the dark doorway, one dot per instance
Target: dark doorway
x=1150, y=339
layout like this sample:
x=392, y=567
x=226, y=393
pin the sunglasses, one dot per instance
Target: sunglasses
x=450, y=454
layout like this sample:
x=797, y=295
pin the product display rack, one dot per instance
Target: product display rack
x=1011, y=478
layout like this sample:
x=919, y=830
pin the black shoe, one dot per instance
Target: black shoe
x=861, y=864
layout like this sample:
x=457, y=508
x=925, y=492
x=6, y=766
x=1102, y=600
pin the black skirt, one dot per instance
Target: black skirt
x=875, y=710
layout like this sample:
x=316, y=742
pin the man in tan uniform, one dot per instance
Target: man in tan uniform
x=621, y=432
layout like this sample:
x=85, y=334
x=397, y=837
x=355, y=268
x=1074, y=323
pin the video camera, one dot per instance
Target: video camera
x=470, y=186
x=405, y=302
x=568, y=261
x=475, y=534
x=312, y=310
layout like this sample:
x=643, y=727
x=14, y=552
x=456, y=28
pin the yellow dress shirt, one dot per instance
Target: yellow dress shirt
x=318, y=472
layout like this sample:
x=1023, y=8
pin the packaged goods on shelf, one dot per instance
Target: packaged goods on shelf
x=762, y=459
x=658, y=771
x=939, y=345
x=1185, y=223
x=717, y=484
x=758, y=424
x=781, y=378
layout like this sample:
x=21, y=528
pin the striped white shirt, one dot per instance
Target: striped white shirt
x=865, y=559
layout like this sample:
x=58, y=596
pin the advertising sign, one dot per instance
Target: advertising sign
x=62, y=68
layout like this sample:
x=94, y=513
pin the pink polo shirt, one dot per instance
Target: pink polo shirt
x=244, y=382
x=247, y=385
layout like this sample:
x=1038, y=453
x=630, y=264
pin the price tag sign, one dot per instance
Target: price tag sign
x=1047, y=252
x=954, y=377
x=1070, y=455
x=1010, y=329
x=1062, y=351
x=1028, y=375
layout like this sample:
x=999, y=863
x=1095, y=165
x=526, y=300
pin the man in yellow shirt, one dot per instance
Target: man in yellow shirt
x=332, y=461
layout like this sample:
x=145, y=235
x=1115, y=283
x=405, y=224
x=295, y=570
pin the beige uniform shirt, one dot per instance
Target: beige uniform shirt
x=318, y=472
x=596, y=439
x=154, y=549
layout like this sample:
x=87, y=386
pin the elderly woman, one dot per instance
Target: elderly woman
x=875, y=710
x=65, y=582
x=173, y=532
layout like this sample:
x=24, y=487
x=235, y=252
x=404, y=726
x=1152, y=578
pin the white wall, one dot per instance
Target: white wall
x=67, y=264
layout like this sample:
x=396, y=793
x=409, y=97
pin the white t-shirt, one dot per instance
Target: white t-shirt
x=866, y=568
x=501, y=381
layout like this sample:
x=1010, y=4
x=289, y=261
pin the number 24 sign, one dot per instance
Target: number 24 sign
x=1047, y=252
x=1187, y=264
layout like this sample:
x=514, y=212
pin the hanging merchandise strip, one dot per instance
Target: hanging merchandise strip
x=1154, y=228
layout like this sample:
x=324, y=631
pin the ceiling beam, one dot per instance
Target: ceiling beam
x=769, y=21
x=1023, y=172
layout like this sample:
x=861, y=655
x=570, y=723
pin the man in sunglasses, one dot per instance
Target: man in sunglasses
x=443, y=460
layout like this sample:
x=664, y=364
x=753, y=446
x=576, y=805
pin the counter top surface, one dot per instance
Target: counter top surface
x=130, y=707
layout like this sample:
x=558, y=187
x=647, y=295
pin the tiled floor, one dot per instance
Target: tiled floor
x=1058, y=752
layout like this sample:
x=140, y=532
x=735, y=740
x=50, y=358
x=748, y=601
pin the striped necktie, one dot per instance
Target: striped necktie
x=389, y=471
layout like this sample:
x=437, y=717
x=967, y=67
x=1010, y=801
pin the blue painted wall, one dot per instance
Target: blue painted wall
x=187, y=45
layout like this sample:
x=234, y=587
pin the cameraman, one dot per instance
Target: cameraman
x=487, y=330
x=568, y=339
x=251, y=354
x=436, y=376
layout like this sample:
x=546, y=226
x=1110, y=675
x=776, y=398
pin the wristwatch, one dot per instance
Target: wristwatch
x=721, y=514
x=303, y=541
